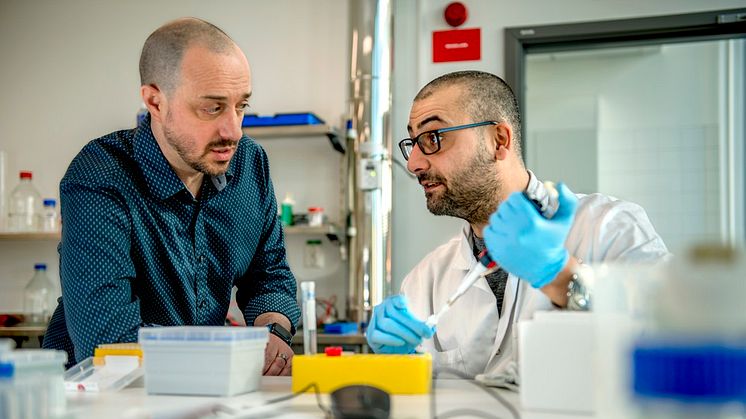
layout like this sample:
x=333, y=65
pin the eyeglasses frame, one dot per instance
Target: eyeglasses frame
x=415, y=141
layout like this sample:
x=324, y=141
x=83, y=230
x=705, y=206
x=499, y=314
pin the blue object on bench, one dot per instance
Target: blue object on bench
x=281, y=119
x=341, y=328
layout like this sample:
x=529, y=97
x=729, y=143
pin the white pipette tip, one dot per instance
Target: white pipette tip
x=433, y=319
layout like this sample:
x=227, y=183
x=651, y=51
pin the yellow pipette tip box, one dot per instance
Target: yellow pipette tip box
x=396, y=374
x=117, y=349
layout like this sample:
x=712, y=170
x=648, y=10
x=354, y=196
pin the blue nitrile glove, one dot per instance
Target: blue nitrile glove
x=393, y=329
x=525, y=243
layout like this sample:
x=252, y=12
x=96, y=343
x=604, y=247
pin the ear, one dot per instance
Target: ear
x=154, y=100
x=503, y=140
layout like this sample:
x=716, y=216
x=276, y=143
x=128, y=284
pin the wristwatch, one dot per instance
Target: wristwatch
x=578, y=290
x=278, y=330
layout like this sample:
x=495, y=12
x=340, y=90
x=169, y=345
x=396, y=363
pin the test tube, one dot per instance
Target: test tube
x=308, y=304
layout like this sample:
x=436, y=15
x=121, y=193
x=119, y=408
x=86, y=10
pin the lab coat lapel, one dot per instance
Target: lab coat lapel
x=506, y=319
x=467, y=261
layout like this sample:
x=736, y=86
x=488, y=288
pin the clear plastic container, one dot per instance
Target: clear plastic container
x=308, y=306
x=39, y=297
x=203, y=360
x=49, y=216
x=31, y=384
x=314, y=254
x=315, y=216
x=115, y=373
x=24, y=206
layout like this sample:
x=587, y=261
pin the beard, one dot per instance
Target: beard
x=196, y=159
x=473, y=192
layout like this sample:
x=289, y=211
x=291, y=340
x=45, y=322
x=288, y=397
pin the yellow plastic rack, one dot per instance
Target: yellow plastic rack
x=396, y=374
x=127, y=349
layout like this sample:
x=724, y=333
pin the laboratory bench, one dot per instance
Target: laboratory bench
x=24, y=336
x=133, y=403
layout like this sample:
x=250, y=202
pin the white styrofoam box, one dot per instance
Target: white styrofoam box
x=556, y=361
x=203, y=360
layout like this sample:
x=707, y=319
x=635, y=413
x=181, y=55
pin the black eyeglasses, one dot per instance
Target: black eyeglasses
x=429, y=141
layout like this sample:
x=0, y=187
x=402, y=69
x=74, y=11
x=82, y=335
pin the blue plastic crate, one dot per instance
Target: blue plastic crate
x=341, y=328
x=281, y=119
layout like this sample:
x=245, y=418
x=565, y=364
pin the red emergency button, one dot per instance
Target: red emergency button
x=333, y=350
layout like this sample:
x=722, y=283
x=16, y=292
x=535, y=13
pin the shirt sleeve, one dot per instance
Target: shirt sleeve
x=96, y=268
x=619, y=231
x=269, y=285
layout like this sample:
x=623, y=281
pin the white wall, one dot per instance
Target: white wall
x=416, y=232
x=69, y=74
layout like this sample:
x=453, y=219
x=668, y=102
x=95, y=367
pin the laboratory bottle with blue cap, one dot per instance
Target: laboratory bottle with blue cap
x=39, y=297
x=49, y=216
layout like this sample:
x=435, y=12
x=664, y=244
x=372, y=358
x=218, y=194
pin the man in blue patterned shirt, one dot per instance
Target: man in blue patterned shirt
x=160, y=222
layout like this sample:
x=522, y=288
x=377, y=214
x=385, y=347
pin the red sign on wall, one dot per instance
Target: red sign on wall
x=457, y=45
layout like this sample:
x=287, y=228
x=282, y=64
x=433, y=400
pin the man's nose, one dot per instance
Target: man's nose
x=230, y=126
x=417, y=160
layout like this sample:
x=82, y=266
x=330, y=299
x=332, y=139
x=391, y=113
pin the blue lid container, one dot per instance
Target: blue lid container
x=40, y=266
x=699, y=373
x=281, y=119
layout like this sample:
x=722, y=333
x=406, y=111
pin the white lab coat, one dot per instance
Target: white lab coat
x=470, y=337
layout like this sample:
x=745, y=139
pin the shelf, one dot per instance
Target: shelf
x=27, y=331
x=40, y=236
x=295, y=131
x=306, y=229
x=288, y=131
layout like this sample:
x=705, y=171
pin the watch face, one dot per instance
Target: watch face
x=577, y=296
x=280, y=332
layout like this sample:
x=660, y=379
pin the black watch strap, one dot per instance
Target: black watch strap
x=278, y=330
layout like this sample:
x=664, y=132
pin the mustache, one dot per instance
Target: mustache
x=222, y=143
x=430, y=177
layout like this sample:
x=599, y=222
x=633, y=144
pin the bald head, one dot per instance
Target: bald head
x=163, y=51
x=485, y=97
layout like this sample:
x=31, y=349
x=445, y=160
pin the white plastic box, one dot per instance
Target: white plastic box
x=203, y=360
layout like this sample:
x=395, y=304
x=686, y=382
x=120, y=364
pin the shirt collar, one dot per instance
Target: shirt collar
x=159, y=175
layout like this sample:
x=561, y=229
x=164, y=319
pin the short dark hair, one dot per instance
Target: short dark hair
x=486, y=98
x=160, y=60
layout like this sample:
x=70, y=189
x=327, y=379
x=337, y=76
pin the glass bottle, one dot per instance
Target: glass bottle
x=38, y=297
x=24, y=206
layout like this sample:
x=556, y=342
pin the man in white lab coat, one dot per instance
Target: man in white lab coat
x=465, y=150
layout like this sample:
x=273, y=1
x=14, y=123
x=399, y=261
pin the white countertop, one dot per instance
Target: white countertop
x=133, y=403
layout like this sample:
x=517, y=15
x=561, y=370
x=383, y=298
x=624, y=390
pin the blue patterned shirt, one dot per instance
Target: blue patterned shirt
x=137, y=249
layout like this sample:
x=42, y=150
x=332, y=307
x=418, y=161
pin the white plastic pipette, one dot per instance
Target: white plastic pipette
x=485, y=264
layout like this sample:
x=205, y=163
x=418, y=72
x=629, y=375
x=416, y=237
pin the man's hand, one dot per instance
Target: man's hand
x=525, y=243
x=278, y=357
x=393, y=329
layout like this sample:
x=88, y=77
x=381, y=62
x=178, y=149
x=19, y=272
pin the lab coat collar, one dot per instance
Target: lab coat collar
x=465, y=257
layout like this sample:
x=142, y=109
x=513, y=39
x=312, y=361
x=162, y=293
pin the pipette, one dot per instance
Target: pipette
x=546, y=201
x=485, y=264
